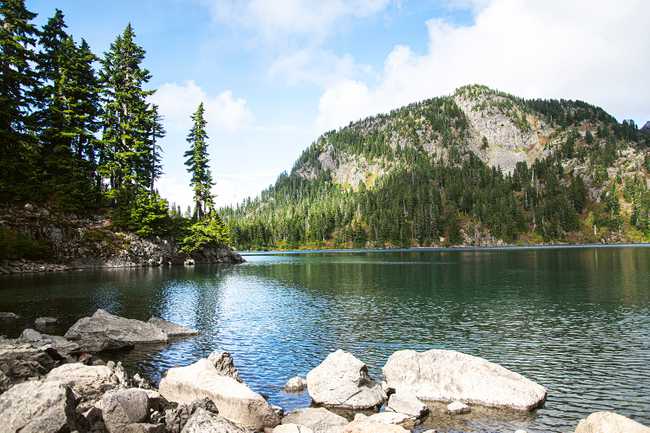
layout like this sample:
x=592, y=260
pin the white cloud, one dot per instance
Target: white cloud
x=177, y=102
x=585, y=49
x=281, y=18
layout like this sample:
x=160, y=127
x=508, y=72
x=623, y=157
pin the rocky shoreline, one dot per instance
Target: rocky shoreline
x=59, y=384
x=71, y=242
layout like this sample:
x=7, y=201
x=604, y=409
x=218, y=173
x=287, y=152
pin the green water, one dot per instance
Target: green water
x=575, y=320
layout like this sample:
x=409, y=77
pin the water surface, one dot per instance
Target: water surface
x=575, y=320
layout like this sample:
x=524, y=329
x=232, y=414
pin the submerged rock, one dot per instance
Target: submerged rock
x=295, y=384
x=44, y=322
x=447, y=375
x=203, y=421
x=320, y=420
x=105, y=331
x=342, y=381
x=171, y=329
x=610, y=422
x=234, y=400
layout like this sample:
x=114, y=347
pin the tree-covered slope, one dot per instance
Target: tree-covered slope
x=478, y=167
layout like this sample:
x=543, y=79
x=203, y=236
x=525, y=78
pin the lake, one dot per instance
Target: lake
x=576, y=320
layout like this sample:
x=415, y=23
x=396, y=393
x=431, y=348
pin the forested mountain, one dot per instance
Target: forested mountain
x=478, y=167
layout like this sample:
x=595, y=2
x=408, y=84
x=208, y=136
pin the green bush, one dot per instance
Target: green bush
x=149, y=215
x=207, y=232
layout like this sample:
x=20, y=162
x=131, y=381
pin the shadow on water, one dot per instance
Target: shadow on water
x=575, y=320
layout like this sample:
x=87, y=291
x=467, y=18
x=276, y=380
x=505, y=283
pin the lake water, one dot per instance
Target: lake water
x=576, y=320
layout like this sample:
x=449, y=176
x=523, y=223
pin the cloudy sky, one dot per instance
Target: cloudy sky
x=274, y=74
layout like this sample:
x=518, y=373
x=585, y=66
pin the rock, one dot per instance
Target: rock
x=4, y=315
x=432, y=431
x=224, y=364
x=447, y=375
x=20, y=361
x=175, y=419
x=295, y=384
x=292, y=428
x=408, y=404
x=124, y=406
x=234, y=400
x=36, y=406
x=62, y=345
x=320, y=420
x=366, y=426
x=88, y=381
x=521, y=431
x=44, y=322
x=342, y=381
x=171, y=329
x=203, y=421
x=143, y=428
x=609, y=422
x=457, y=408
x=104, y=331
x=400, y=419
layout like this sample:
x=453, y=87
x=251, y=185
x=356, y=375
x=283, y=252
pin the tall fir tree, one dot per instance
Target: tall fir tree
x=156, y=131
x=197, y=163
x=18, y=81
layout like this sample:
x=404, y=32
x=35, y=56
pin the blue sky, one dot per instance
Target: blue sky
x=274, y=74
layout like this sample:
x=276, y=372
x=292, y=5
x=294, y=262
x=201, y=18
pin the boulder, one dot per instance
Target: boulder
x=447, y=375
x=609, y=422
x=292, y=428
x=21, y=360
x=342, y=381
x=457, y=408
x=44, y=322
x=143, y=428
x=124, y=406
x=224, y=364
x=90, y=382
x=171, y=329
x=203, y=421
x=104, y=331
x=320, y=420
x=295, y=384
x=175, y=419
x=395, y=418
x=234, y=400
x=365, y=426
x=62, y=345
x=36, y=406
x=406, y=403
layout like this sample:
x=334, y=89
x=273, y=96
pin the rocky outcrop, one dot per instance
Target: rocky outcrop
x=234, y=400
x=320, y=420
x=610, y=422
x=342, y=381
x=104, y=331
x=172, y=329
x=295, y=384
x=446, y=375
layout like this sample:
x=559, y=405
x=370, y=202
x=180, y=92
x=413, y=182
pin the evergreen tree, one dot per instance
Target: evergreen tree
x=156, y=131
x=197, y=163
x=17, y=83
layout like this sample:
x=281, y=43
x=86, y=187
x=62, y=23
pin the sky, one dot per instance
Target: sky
x=275, y=74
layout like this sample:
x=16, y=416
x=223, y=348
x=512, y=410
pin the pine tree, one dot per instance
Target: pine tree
x=17, y=83
x=126, y=119
x=156, y=131
x=197, y=165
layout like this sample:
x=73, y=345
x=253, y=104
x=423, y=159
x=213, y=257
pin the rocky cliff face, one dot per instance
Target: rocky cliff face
x=67, y=241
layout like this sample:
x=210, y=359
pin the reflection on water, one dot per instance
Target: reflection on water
x=574, y=320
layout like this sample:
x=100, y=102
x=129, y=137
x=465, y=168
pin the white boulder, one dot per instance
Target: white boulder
x=342, y=381
x=447, y=375
x=610, y=422
x=406, y=403
x=295, y=384
x=458, y=408
x=34, y=407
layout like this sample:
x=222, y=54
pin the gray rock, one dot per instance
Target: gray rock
x=395, y=418
x=224, y=364
x=89, y=382
x=203, y=421
x=175, y=419
x=124, y=406
x=457, y=408
x=143, y=428
x=295, y=384
x=235, y=401
x=44, y=322
x=292, y=428
x=447, y=375
x=320, y=420
x=342, y=381
x=104, y=331
x=62, y=345
x=20, y=361
x=609, y=422
x=365, y=426
x=406, y=403
x=36, y=406
x=172, y=329
x=4, y=315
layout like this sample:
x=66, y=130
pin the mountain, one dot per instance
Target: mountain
x=479, y=167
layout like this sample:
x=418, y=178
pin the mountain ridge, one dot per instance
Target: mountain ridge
x=485, y=132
